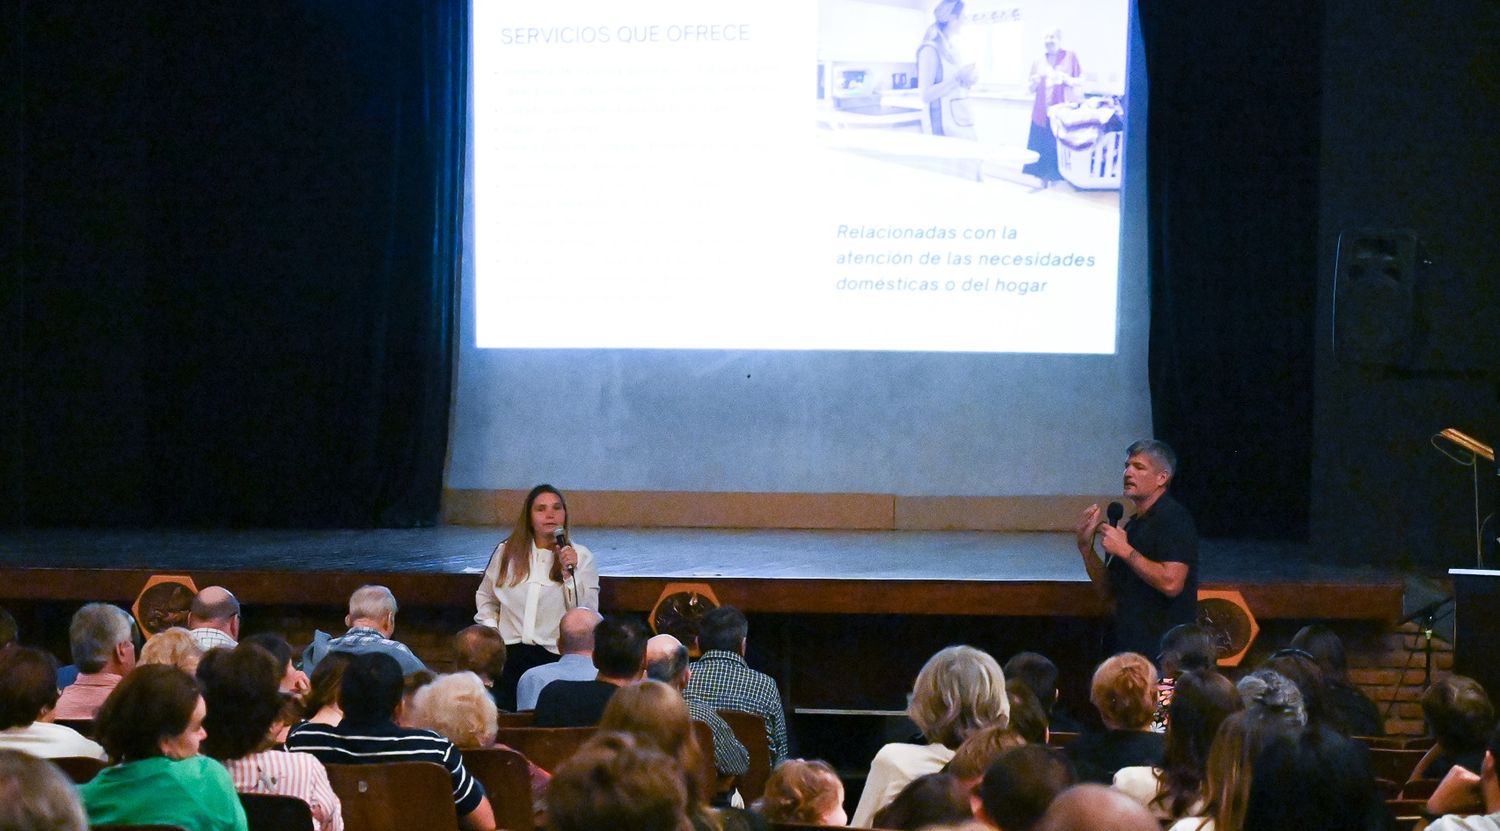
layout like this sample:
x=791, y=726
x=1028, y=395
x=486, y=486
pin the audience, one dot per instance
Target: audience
x=614, y=782
x=1020, y=784
x=28, y=694
x=173, y=647
x=1269, y=691
x=974, y=756
x=930, y=799
x=655, y=715
x=1300, y=668
x=619, y=654
x=241, y=689
x=370, y=695
x=1231, y=758
x=575, y=642
x=1039, y=673
x=1124, y=692
x=724, y=681
x=667, y=662
x=321, y=704
x=1201, y=701
x=372, y=622
x=1350, y=711
x=959, y=692
x=1091, y=807
x=805, y=791
x=1026, y=715
x=1184, y=647
x=151, y=726
x=102, y=639
x=1459, y=716
x=36, y=796
x=1466, y=800
x=1314, y=778
x=214, y=618
x=293, y=682
x=481, y=650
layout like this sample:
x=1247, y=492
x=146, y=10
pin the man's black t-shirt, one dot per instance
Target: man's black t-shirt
x=1164, y=533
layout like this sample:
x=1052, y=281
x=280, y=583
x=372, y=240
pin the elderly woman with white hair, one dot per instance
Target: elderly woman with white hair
x=960, y=691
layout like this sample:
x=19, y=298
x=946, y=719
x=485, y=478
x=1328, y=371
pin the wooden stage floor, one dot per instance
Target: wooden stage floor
x=794, y=572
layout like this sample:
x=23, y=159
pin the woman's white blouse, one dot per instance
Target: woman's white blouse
x=530, y=611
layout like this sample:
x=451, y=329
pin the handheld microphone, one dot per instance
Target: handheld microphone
x=1115, y=512
x=560, y=536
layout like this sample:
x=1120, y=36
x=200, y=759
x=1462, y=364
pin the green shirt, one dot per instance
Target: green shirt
x=196, y=794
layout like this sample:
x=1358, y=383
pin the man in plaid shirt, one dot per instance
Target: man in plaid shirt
x=722, y=679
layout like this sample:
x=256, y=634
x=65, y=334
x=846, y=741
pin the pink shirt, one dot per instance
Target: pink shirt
x=84, y=697
x=280, y=773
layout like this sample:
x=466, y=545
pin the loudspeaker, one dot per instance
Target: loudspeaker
x=1376, y=285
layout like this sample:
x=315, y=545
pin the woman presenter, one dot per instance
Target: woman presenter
x=534, y=577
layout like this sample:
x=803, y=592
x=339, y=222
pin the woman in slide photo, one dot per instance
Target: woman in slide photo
x=533, y=578
x=943, y=80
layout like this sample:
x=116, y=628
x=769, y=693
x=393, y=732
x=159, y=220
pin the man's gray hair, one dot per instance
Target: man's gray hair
x=1159, y=451
x=372, y=603
x=95, y=632
x=669, y=667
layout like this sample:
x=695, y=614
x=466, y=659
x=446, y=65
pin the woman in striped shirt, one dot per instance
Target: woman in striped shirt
x=242, y=689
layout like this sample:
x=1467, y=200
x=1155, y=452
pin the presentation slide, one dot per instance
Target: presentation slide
x=851, y=175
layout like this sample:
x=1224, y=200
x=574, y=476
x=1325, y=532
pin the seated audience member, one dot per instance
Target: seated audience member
x=462, y=709
x=214, y=618
x=575, y=640
x=1314, y=779
x=805, y=791
x=615, y=782
x=1184, y=647
x=1466, y=800
x=151, y=726
x=372, y=622
x=1459, y=716
x=1231, y=759
x=102, y=638
x=321, y=704
x=1350, y=711
x=28, y=692
x=655, y=715
x=930, y=799
x=1269, y=691
x=370, y=695
x=724, y=681
x=1039, y=673
x=1026, y=715
x=619, y=653
x=1300, y=668
x=1090, y=807
x=959, y=692
x=1020, y=784
x=480, y=650
x=974, y=756
x=36, y=796
x=241, y=688
x=1200, y=703
x=667, y=662
x=173, y=647
x=293, y=682
x=410, y=686
x=1124, y=692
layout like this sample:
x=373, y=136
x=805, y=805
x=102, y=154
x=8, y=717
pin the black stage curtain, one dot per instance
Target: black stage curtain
x=1234, y=127
x=239, y=239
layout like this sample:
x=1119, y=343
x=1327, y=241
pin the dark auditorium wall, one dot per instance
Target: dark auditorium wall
x=1412, y=92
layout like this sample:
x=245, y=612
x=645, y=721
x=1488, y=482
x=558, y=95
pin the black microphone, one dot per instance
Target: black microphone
x=560, y=536
x=1115, y=511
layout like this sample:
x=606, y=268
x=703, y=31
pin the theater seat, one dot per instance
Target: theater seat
x=273, y=812
x=397, y=796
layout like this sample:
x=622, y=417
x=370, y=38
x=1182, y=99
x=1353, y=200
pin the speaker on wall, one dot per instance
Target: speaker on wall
x=1376, y=288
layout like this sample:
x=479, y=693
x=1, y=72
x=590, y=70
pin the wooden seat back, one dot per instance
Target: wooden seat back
x=506, y=777
x=395, y=796
x=275, y=812
x=525, y=718
x=80, y=769
x=750, y=729
x=1393, y=765
x=547, y=747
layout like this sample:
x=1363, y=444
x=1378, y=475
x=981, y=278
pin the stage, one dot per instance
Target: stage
x=761, y=571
